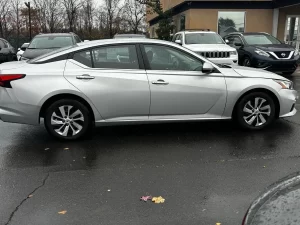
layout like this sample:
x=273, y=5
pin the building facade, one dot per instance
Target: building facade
x=280, y=18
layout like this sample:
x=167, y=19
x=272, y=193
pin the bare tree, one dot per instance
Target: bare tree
x=113, y=9
x=49, y=14
x=135, y=14
x=72, y=7
x=15, y=16
x=4, y=14
x=89, y=13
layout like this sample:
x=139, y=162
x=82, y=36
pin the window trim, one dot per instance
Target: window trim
x=71, y=55
x=147, y=64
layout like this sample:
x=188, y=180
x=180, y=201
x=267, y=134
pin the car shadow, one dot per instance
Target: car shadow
x=33, y=147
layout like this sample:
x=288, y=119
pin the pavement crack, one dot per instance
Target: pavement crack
x=25, y=199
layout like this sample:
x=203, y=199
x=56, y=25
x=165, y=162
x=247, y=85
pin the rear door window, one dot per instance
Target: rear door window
x=116, y=57
x=84, y=58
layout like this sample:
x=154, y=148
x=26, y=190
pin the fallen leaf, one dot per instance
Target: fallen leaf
x=146, y=198
x=108, y=190
x=66, y=148
x=62, y=212
x=218, y=223
x=84, y=157
x=46, y=149
x=158, y=200
x=29, y=196
x=264, y=166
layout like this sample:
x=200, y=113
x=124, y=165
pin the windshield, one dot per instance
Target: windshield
x=50, y=42
x=261, y=39
x=203, y=38
x=50, y=53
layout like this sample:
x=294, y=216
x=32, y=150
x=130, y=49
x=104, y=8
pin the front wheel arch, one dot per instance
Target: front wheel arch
x=272, y=95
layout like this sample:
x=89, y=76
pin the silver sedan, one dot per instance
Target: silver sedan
x=128, y=81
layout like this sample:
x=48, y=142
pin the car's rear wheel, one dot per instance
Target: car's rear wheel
x=255, y=111
x=67, y=119
x=247, y=62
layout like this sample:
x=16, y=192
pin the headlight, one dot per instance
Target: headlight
x=296, y=52
x=262, y=53
x=233, y=53
x=285, y=84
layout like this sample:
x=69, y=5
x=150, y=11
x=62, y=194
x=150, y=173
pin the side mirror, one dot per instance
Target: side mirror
x=207, y=68
x=178, y=42
x=238, y=44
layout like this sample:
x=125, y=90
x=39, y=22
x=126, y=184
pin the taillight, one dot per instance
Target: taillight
x=5, y=79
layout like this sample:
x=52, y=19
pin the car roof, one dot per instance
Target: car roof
x=55, y=34
x=129, y=35
x=196, y=31
x=247, y=33
x=95, y=43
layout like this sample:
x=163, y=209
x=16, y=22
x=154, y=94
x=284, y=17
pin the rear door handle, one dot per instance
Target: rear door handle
x=85, y=77
x=160, y=82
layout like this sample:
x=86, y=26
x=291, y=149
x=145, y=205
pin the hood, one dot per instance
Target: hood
x=12, y=65
x=275, y=48
x=256, y=73
x=33, y=53
x=210, y=48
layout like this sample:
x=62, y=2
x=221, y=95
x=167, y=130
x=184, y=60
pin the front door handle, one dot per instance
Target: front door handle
x=160, y=82
x=85, y=77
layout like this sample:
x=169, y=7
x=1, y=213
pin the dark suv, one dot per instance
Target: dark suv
x=45, y=43
x=7, y=52
x=262, y=50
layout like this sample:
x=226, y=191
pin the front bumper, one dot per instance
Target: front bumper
x=227, y=61
x=288, y=100
x=273, y=65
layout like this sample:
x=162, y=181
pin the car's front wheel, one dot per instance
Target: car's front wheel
x=247, y=62
x=255, y=111
x=67, y=119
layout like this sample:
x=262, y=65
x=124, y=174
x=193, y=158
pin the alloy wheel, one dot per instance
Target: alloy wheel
x=67, y=120
x=257, y=112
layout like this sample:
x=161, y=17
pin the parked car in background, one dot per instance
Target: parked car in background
x=278, y=205
x=208, y=44
x=111, y=82
x=45, y=43
x=22, y=50
x=118, y=36
x=7, y=52
x=262, y=50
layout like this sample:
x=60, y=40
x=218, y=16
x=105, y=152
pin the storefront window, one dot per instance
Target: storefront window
x=229, y=22
x=182, y=22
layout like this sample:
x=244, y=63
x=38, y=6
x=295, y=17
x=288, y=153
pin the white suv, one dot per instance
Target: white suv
x=208, y=44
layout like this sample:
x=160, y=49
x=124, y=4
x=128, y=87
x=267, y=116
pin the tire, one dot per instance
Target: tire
x=255, y=118
x=247, y=62
x=62, y=126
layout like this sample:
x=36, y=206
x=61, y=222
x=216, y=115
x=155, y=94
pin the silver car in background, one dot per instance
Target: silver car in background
x=129, y=81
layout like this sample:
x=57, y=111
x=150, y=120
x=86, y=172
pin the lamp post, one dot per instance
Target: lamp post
x=28, y=6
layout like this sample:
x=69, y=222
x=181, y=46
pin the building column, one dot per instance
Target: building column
x=275, y=22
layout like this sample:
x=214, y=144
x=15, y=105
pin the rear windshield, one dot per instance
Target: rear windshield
x=50, y=42
x=261, y=39
x=203, y=38
x=40, y=58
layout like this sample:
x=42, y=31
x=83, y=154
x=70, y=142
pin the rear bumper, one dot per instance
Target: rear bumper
x=13, y=111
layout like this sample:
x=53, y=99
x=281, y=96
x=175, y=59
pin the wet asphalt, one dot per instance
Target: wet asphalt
x=208, y=172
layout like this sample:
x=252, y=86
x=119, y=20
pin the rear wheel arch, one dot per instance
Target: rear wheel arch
x=264, y=90
x=55, y=98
